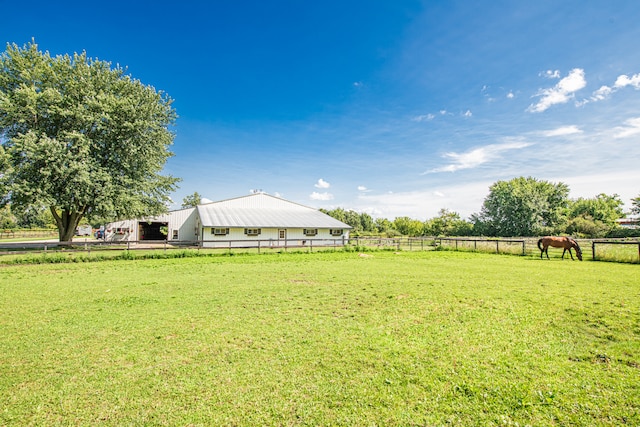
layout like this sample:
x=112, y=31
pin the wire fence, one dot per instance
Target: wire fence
x=602, y=250
x=616, y=250
x=28, y=234
x=310, y=245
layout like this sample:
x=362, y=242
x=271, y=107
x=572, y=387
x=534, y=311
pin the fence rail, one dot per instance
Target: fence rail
x=392, y=243
x=27, y=234
x=87, y=245
x=522, y=246
x=612, y=242
x=501, y=245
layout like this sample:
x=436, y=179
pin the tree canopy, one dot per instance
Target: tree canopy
x=594, y=217
x=522, y=207
x=635, y=206
x=81, y=138
x=192, y=200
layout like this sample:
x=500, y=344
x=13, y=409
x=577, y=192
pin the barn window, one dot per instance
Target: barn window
x=220, y=231
x=252, y=231
x=310, y=231
x=174, y=235
x=336, y=232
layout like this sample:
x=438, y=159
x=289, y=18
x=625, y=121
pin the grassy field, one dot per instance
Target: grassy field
x=388, y=339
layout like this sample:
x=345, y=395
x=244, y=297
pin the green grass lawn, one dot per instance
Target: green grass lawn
x=406, y=339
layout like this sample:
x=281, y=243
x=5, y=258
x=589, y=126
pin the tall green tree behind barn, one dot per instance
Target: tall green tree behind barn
x=81, y=138
x=192, y=200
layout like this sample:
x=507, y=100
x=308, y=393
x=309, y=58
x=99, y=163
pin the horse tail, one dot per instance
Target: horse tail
x=540, y=243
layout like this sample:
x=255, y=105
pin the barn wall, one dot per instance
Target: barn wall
x=269, y=237
x=122, y=231
x=184, y=221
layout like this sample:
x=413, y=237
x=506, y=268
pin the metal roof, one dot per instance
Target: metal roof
x=262, y=210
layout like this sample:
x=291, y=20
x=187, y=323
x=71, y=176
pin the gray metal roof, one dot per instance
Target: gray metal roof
x=262, y=210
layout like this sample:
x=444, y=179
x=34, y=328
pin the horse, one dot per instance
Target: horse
x=567, y=243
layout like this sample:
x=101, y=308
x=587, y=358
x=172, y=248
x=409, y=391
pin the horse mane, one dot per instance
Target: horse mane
x=576, y=245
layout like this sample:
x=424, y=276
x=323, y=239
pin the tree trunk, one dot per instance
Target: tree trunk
x=67, y=223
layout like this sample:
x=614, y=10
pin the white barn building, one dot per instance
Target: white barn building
x=254, y=220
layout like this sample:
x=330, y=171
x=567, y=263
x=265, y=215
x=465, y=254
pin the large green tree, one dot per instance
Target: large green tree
x=522, y=207
x=81, y=138
x=594, y=217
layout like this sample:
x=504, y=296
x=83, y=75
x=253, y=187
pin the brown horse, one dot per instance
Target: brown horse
x=559, y=242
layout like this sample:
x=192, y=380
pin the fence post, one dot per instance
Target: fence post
x=593, y=250
x=497, y=246
x=259, y=246
x=523, y=250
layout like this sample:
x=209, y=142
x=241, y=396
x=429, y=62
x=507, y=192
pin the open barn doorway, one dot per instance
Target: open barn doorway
x=152, y=230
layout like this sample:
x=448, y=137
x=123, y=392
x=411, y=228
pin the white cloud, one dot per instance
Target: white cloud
x=561, y=92
x=322, y=184
x=467, y=113
x=438, y=193
x=477, y=156
x=601, y=93
x=562, y=131
x=510, y=95
x=363, y=189
x=606, y=91
x=632, y=128
x=551, y=74
x=625, y=80
x=424, y=118
x=321, y=196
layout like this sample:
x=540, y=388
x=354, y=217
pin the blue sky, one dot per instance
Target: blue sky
x=395, y=108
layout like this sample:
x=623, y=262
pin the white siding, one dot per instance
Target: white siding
x=122, y=231
x=184, y=221
x=270, y=238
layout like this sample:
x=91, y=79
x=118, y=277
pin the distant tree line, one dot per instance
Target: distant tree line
x=519, y=207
